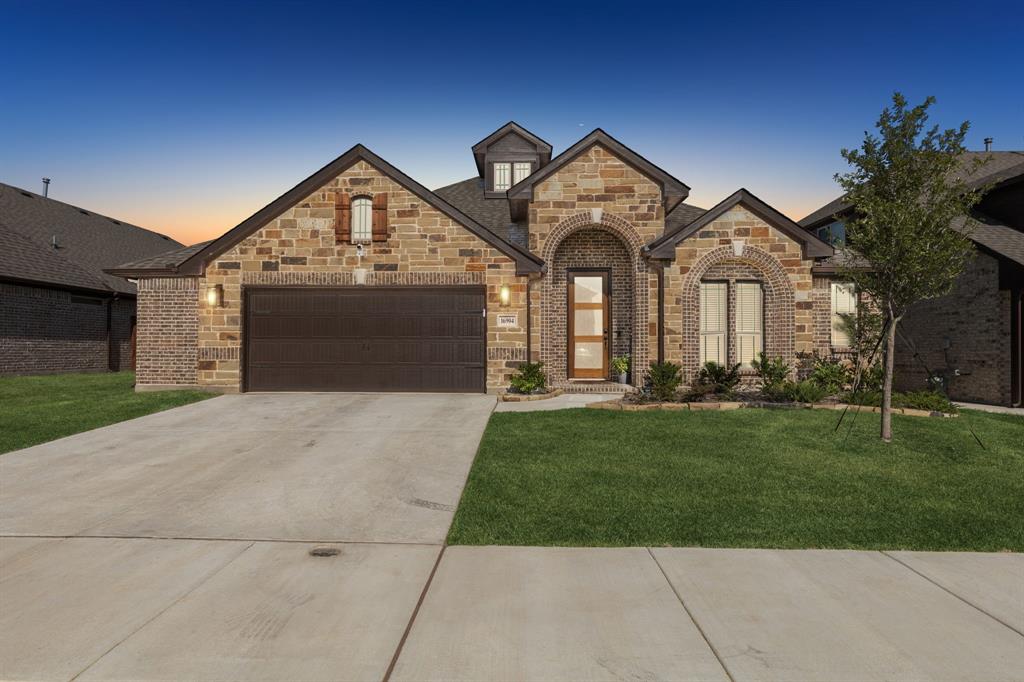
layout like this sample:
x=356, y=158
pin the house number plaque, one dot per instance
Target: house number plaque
x=508, y=320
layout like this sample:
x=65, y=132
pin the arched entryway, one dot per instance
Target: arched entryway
x=581, y=254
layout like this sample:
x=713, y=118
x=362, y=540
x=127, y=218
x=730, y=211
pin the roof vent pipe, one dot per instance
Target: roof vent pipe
x=46, y=187
x=988, y=144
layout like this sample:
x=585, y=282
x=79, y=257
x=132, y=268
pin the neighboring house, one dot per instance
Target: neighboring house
x=59, y=311
x=360, y=278
x=971, y=337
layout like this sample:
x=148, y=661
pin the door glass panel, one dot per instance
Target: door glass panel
x=588, y=323
x=588, y=289
x=589, y=355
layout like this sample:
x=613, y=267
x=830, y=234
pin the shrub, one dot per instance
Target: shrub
x=720, y=378
x=773, y=372
x=664, y=380
x=917, y=400
x=620, y=365
x=830, y=375
x=806, y=391
x=530, y=378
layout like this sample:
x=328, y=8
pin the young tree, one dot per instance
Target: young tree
x=909, y=198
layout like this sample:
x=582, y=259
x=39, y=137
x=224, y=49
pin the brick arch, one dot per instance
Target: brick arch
x=779, y=301
x=553, y=321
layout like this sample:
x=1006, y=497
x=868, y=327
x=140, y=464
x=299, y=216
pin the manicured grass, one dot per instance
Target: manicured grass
x=745, y=478
x=41, y=408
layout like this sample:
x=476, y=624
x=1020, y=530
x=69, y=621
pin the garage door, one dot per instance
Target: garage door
x=366, y=339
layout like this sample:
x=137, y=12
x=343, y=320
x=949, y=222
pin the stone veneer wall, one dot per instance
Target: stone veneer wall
x=47, y=331
x=167, y=332
x=967, y=330
x=790, y=303
x=630, y=208
x=425, y=247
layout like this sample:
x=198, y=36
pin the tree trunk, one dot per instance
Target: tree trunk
x=890, y=352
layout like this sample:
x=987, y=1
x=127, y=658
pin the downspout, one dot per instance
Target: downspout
x=110, y=339
x=529, y=331
x=661, y=312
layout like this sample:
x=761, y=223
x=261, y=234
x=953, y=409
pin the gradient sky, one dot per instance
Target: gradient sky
x=187, y=117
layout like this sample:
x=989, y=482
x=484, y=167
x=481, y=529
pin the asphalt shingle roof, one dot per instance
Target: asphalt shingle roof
x=167, y=259
x=87, y=242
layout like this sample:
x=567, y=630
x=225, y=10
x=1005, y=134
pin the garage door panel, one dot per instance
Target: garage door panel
x=363, y=339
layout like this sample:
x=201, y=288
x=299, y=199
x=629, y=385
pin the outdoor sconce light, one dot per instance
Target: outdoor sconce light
x=215, y=295
x=737, y=247
x=505, y=295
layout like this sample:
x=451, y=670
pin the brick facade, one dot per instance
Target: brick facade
x=168, y=332
x=791, y=304
x=424, y=247
x=967, y=330
x=46, y=331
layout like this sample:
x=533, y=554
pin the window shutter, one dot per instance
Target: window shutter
x=713, y=309
x=380, y=217
x=749, y=322
x=844, y=302
x=342, y=218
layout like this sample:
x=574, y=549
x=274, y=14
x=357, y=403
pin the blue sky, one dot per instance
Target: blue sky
x=187, y=117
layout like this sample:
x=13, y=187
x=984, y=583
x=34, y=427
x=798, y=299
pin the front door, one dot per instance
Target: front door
x=588, y=323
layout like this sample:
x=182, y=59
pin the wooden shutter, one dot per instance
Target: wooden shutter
x=342, y=218
x=380, y=217
x=749, y=322
x=844, y=302
x=713, y=307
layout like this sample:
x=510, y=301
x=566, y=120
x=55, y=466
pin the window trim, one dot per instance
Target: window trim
x=761, y=332
x=833, y=315
x=701, y=355
x=494, y=175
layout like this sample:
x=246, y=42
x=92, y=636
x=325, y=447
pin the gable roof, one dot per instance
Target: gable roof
x=664, y=246
x=195, y=263
x=1000, y=167
x=480, y=148
x=994, y=236
x=672, y=189
x=87, y=243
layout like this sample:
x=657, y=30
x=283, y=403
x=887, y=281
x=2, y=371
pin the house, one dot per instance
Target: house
x=970, y=338
x=360, y=278
x=59, y=311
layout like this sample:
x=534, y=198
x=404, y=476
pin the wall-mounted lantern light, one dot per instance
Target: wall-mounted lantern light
x=505, y=295
x=215, y=295
x=737, y=247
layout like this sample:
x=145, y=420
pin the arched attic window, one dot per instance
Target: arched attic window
x=362, y=219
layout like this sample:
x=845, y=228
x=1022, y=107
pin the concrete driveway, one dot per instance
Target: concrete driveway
x=178, y=547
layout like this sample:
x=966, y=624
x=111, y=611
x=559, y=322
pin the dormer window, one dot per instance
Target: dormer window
x=520, y=171
x=502, y=176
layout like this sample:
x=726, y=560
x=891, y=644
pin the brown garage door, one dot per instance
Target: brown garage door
x=366, y=339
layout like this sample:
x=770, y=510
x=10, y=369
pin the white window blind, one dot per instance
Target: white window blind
x=713, y=322
x=362, y=219
x=749, y=322
x=502, y=176
x=844, y=302
x=520, y=171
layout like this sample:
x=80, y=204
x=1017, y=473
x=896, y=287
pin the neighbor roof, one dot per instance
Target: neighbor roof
x=194, y=263
x=87, y=242
x=664, y=246
x=994, y=236
x=1001, y=166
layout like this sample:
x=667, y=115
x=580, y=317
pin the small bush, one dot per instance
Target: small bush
x=720, y=378
x=530, y=378
x=806, y=391
x=664, y=380
x=830, y=375
x=772, y=371
x=916, y=400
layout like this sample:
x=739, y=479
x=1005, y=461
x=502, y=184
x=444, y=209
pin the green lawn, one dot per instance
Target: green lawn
x=41, y=408
x=745, y=478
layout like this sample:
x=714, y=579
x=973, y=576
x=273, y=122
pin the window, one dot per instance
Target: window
x=749, y=322
x=362, y=219
x=713, y=322
x=520, y=171
x=833, y=233
x=844, y=302
x=502, y=176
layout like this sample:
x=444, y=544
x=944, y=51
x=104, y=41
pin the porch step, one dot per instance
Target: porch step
x=593, y=387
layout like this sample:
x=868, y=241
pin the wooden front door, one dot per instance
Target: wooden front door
x=589, y=318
